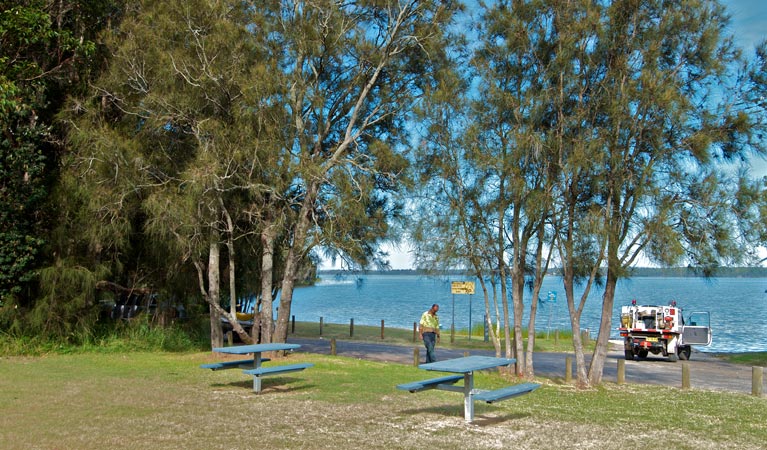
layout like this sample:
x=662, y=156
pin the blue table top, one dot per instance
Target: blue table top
x=467, y=364
x=255, y=348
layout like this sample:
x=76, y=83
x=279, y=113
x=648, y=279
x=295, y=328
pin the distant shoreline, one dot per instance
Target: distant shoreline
x=673, y=272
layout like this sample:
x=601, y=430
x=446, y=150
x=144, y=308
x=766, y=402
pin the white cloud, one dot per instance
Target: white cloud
x=400, y=258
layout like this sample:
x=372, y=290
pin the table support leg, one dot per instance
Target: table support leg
x=256, y=378
x=468, y=401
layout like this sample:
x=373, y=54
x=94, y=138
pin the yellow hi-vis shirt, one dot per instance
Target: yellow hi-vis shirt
x=429, y=321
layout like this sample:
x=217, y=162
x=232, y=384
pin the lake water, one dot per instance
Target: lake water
x=738, y=306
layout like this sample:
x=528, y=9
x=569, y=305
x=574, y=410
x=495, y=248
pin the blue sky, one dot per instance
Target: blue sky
x=749, y=20
x=749, y=26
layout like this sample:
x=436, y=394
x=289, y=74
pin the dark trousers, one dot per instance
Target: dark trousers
x=430, y=340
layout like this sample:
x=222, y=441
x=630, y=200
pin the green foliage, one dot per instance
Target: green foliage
x=120, y=336
x=45, y=53
x=139, y=334
x=298, y=120
x=220, y=125
x=65, y=307
x=593, y=137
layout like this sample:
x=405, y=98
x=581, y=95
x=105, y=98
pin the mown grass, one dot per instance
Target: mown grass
x=748, y=359
x=163, y=400
x=555, y=341
x=139, y=335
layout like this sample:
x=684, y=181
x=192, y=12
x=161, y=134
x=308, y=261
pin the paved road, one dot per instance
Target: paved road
x=706, y=372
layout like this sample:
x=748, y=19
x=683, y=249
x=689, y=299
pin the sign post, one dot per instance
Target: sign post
x=470, y=296
x=551, y=299
x=452, y=323
x=460, y=287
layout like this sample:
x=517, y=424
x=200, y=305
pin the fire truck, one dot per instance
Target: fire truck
x=662, y=330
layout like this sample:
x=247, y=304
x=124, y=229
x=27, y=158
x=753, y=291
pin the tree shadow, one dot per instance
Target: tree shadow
x=271, y=384
x=480, y=411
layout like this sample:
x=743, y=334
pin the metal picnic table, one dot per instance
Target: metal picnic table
x=257, y=349
x=465, y=366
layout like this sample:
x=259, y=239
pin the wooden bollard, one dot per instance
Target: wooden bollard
x=321, y=320
x=351, y=327
x=621, y=371
x=465, y=353
x=416, y=356
x=229, y=338
x=382, y=329
x=568, y=369
x=415, y=331
x=333, y=346
x=757, y=377
x=685, y=375
x=556, y=337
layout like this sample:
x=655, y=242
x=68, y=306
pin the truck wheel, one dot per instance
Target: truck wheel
x=684, y=352
x=642, y=353
x=629, y=354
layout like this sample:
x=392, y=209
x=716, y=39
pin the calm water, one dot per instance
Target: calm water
x=738, y=306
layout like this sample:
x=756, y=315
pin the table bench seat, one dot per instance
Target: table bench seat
x=239, y=364
x=507, y=392
x=276, y=370
x=417, y=386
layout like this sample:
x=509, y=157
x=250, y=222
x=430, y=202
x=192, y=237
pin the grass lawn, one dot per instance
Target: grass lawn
x=163, y=400
x=555, y=341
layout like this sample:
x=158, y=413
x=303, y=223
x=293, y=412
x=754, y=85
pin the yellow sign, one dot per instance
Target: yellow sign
x=462, y=287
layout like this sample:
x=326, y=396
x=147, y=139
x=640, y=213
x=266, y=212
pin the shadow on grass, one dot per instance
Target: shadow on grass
x=268, y=385
x=480, y=419
x=487, y=421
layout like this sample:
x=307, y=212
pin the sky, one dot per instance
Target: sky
x=749, y=20
x=749, y=25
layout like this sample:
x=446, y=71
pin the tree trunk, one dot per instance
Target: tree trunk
x=575, y=324
x=232, y=280
x=492, y=334
x=505, y=306
x=212, y=294
x=529, y=371
x=541, y=267
x=216, y=333
x=295, y=253
x=582, y=380
x=518, y=256
x=603, y=339
x=230, y=248
x=267, y=271
x=518, y=291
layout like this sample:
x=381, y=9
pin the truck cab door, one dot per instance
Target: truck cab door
x=697, y=329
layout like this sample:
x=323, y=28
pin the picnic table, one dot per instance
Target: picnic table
x=466, y=366
x=253, y=366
